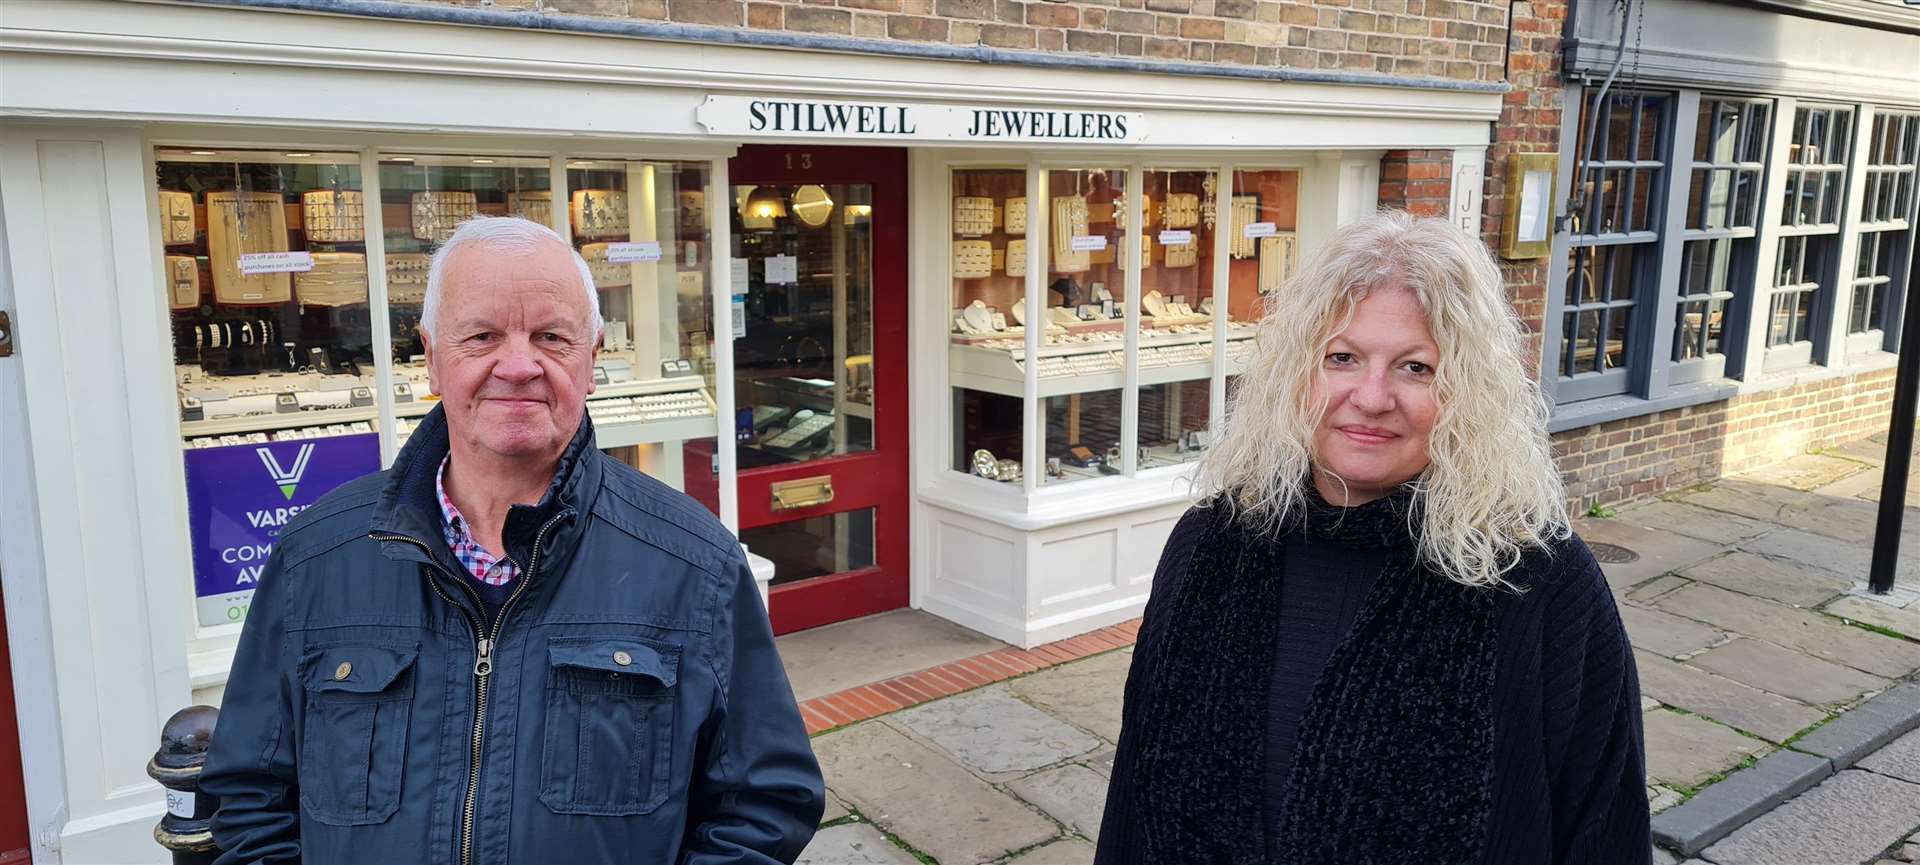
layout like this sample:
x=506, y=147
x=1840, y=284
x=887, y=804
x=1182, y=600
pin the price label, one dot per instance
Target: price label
x=1259, y=229
x=1089, y=242
x=1176, y=237
x=180, y=804
x=635, y=252
x=252, y=263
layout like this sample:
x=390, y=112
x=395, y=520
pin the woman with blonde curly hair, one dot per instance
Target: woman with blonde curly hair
x=1378, y=640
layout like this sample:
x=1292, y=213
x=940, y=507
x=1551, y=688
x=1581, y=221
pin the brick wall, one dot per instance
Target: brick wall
x=1635, y=458
x=1529, y=123
x=1456, y=39
x=1417, y=181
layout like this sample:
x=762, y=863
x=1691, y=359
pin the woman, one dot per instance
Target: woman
x=1379, y=641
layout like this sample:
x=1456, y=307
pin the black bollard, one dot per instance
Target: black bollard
x=187, y=828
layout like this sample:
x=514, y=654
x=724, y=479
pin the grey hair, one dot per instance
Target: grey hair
x=1491, y=490
x=511, y=234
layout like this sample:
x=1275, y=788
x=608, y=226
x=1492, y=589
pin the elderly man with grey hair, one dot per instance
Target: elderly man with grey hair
x=509, y=647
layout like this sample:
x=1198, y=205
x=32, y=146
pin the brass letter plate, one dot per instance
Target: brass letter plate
x=803, y=493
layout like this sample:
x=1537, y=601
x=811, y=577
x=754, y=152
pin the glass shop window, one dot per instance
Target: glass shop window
x=1081, y=367
x=1177, y=311
x=264, y=268
x=1263, y=251
x=642, y=228
x=990, y=266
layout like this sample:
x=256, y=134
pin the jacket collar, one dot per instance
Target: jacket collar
x=408, y=510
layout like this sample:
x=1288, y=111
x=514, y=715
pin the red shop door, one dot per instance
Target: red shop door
x=820, y=377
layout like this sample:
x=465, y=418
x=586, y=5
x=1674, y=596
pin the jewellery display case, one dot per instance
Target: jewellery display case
x=1088, y=269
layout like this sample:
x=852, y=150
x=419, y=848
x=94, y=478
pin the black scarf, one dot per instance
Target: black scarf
x=1395, y=755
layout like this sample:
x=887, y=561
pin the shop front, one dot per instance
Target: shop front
x=923, y=333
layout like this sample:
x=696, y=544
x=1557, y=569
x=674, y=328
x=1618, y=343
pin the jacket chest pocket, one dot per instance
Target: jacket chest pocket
x=609, y=725
x=353, y=748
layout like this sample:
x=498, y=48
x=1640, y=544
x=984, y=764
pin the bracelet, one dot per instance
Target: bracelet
x=199, y=338
x=246, y=333
x=213, y=335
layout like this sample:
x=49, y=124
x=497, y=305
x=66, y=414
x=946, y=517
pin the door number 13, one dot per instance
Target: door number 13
x=805, y=161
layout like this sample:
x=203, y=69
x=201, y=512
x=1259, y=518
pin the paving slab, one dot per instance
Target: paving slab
x=1769, y=716
x=1853, y=485
x=1086, y=694
x=1684, y=750
x=924, y=797
x=1810, y=632
x=853, y=844
x=1848, y=818
x=1776, y=504
x=1783, y=581
x=1706, y=524
x=993, y=732
x=836, y=809
x=1803, y=472
x=1899, y=758
x=1900, y=620
x=1067, y=851
x=1718, y=810
x=1864, y=450
x=824, y=660
x=1788, y=673
x=1100, y=761
x=1661, y=798
x=1648, y=591
x=1866, y=727
x=1913, y=494
x=1072, y=794
x=1660, y=552
x=1846, y=519
x=1664, y=633
x=1662, y=857
x=1851, y=560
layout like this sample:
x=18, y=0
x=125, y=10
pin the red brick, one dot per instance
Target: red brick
x=1053, y=15
x=726, y=13
x=766, y=16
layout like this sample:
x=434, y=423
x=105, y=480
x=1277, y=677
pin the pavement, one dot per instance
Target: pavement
x=1780, y=698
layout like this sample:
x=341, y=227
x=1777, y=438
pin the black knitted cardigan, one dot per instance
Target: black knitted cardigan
x=1395, y=759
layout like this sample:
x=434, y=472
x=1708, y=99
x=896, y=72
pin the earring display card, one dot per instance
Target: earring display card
x=1123, y=210
x=532, y=206
x=1245, y=209
x=972, y=259
x=1017, y=257
x=1015, y=213
x=599, y=213
x=437, y=214
x=176, y=217
x=240, y=223
x=1069, y=222
x=972, y=215
x=693, y=210
x=1182, y=210
x=337, y=279
x=407, y=276
x=605, y=273
x=333, y=216
x=1278, y=254
x=183, y=282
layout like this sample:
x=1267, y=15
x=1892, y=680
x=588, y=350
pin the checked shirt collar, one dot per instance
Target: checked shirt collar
x=480, y=564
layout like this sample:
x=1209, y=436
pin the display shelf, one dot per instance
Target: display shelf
x=1089, y=367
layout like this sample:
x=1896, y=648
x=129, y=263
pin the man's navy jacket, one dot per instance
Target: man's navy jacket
x=625, y=703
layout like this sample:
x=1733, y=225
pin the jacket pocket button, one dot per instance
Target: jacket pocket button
x=341, y=672
x=622, y=658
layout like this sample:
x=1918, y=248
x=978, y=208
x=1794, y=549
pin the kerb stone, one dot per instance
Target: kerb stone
x=1868, y=727
x=1718, y=810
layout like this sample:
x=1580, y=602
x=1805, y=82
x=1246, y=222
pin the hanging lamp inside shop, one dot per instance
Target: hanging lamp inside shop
x=812, y=205
x=764, y=202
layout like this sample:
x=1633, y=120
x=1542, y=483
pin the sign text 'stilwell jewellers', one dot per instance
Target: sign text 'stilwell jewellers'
x=755, y=117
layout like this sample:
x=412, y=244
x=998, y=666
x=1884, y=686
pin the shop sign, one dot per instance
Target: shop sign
x=239, y=497
x=760, y=117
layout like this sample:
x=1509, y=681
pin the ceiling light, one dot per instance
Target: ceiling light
x=297, y=155
x=483, y=162
x=203, y=152
x=765, y=202
x=399, y=159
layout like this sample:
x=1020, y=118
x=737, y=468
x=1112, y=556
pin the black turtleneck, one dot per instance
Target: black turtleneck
x=1322, y=586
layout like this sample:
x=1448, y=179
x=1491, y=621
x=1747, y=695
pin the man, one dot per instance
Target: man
x=509, y=647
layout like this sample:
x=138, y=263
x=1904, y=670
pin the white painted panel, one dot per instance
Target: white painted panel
x=1145, y=541
x=1074, y=567
x=974, y=566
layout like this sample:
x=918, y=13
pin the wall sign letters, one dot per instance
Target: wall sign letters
x=751, y=116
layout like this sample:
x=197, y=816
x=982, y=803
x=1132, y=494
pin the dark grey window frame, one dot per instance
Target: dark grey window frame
x=1740, y=239
x=1896, y=228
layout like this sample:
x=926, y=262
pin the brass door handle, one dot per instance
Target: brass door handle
x=803, y=493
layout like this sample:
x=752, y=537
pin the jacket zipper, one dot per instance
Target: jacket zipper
x=482, y=667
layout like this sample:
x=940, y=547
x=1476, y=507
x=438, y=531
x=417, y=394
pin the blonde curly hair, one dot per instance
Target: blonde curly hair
x=1491, y=490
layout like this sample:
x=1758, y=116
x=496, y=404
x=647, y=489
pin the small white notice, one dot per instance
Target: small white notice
x=253, y=263
x=1176, y=237
x=1534, y=188
x=1259, y=229
x=1089, y=242
x=782, y=270
x=634, y=252
x=738, y=316
x=739, y=277
x=180, y=804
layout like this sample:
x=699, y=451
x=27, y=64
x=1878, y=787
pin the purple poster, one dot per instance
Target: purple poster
x=239, y=497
